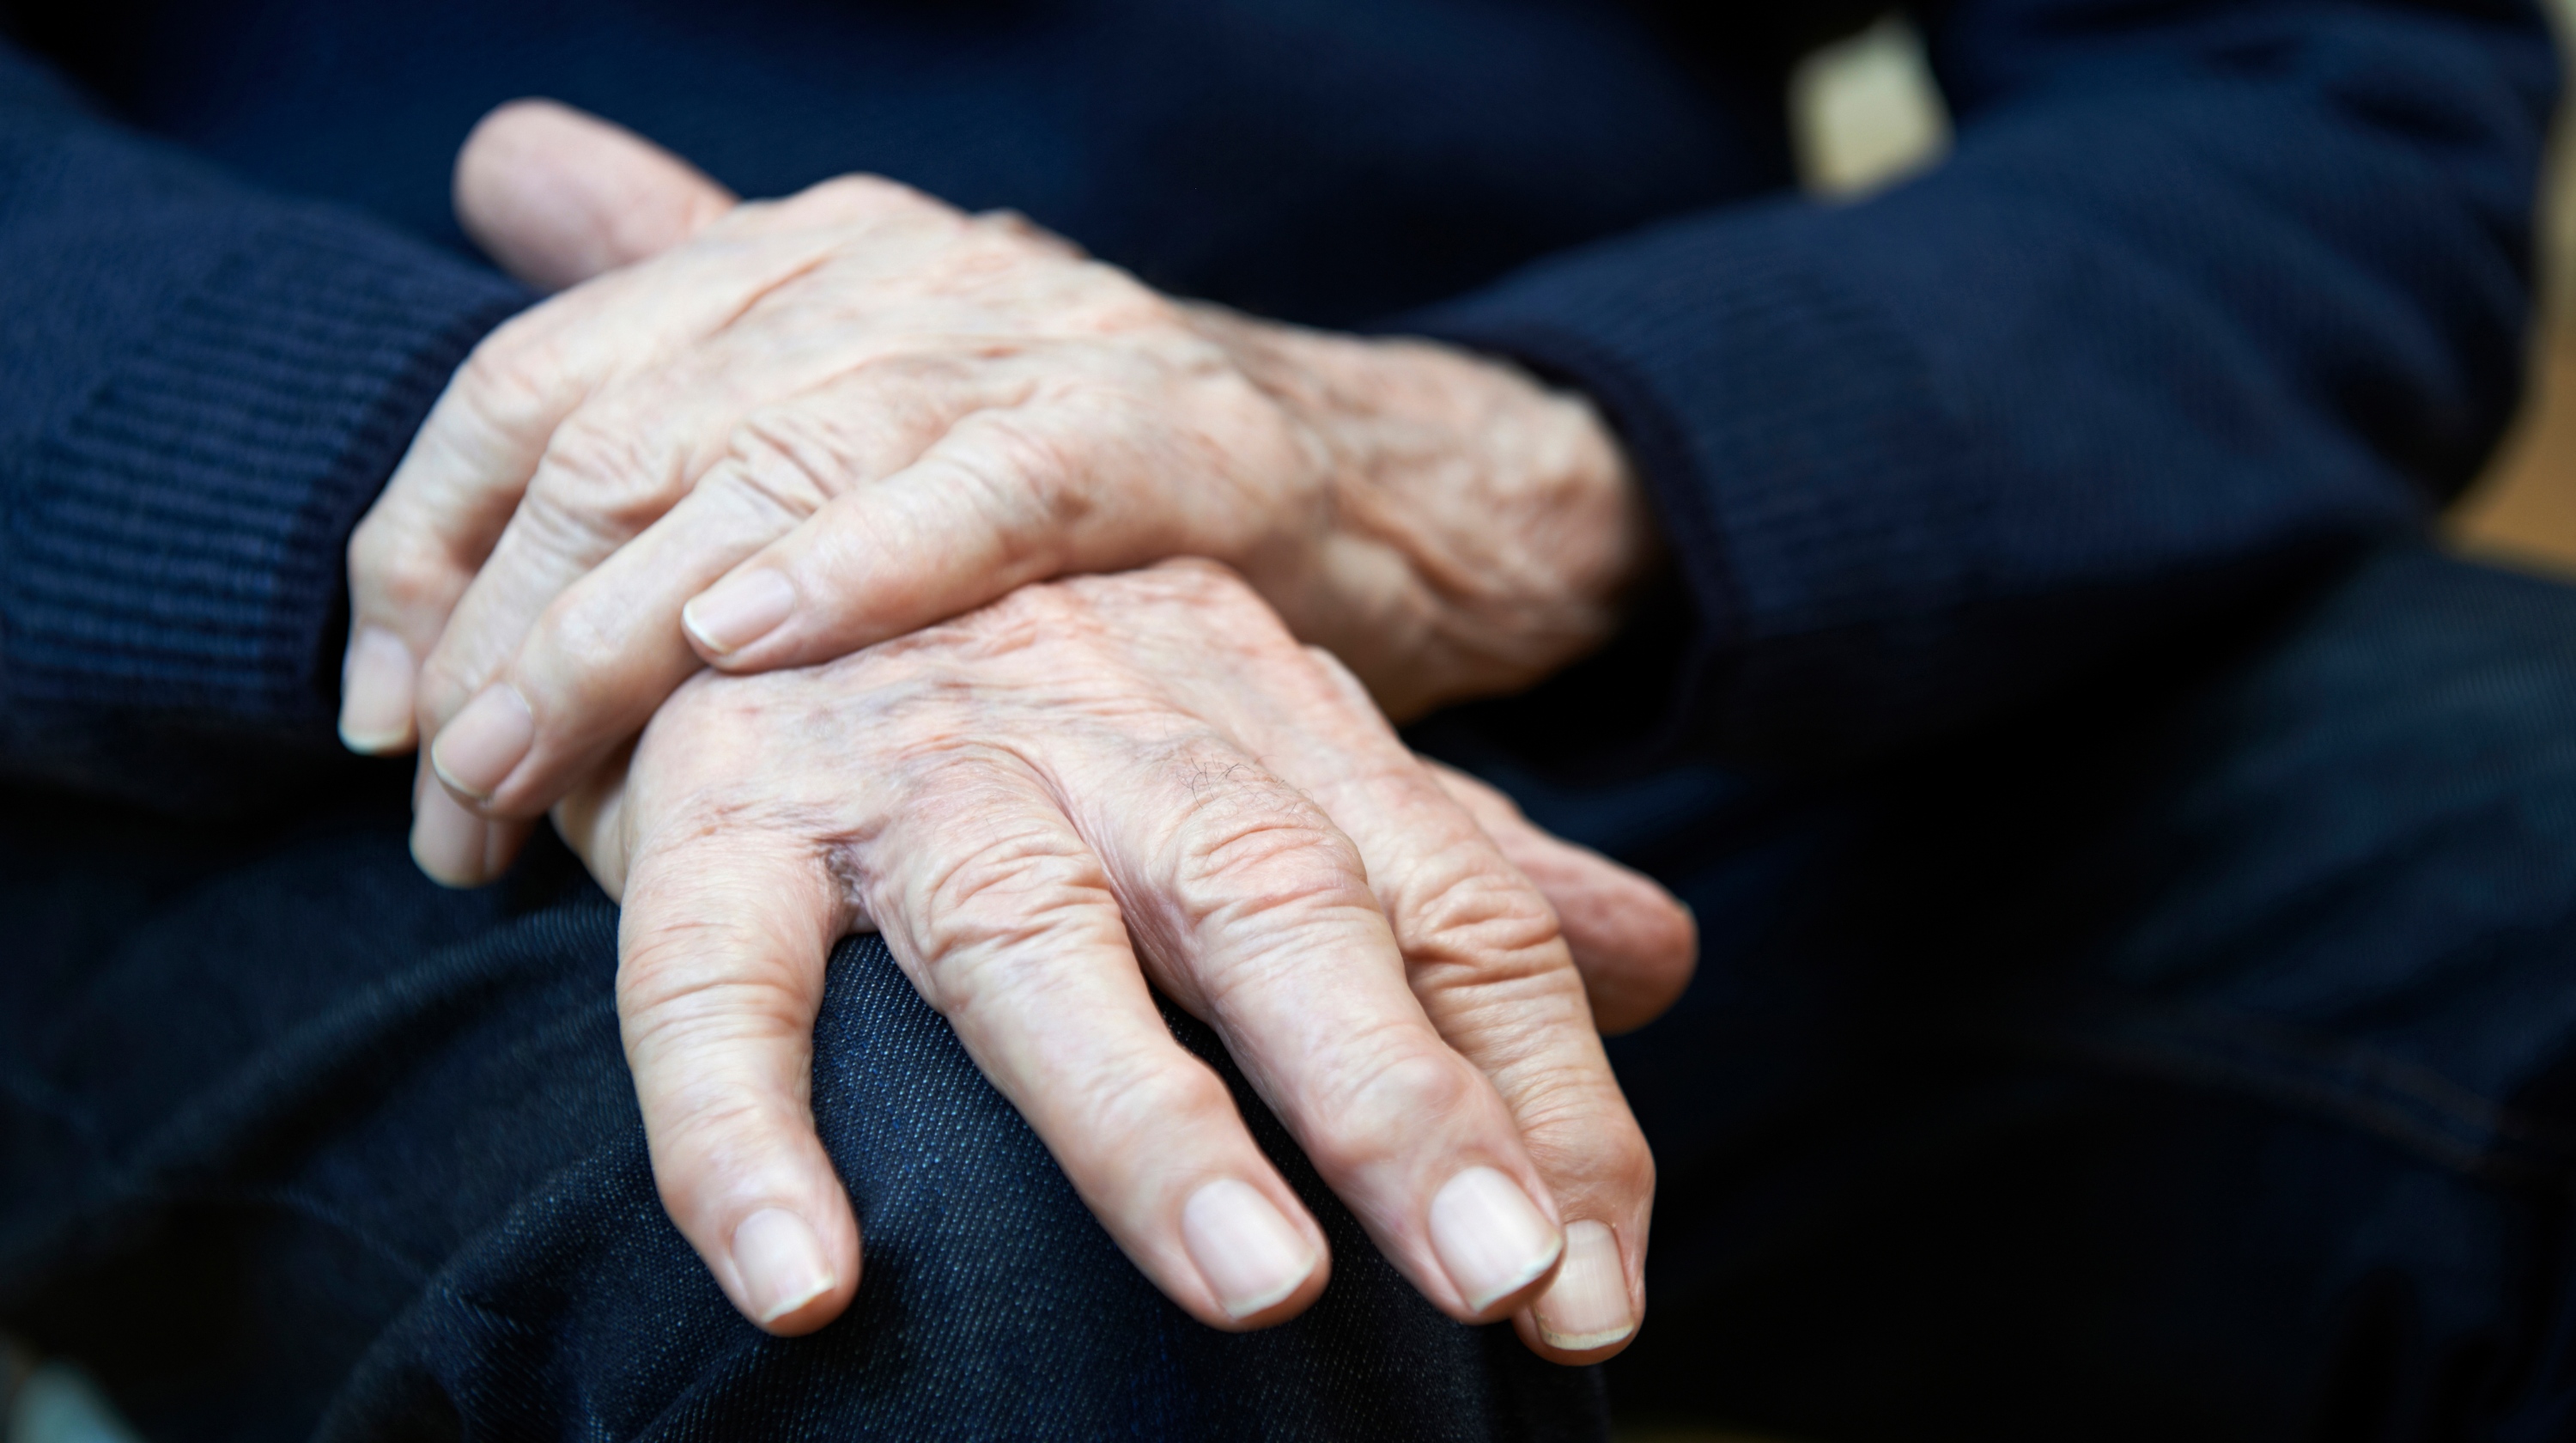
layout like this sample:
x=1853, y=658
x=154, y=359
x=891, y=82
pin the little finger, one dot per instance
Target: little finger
x=1635, y=943
x=1486, y=958
x=1255, y=913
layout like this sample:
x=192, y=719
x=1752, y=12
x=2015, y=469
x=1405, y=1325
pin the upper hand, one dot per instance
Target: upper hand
x=810, y=425
x=1043, y=806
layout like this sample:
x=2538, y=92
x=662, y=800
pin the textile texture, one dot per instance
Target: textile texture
x=2204, y=293
x=2189, y=1057
x=2135, y=878
x=2189, y=1060
x=303, y=1141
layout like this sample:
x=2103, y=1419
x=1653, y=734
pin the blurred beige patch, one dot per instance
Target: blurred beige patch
x=1865, y=113
x=2523, y=511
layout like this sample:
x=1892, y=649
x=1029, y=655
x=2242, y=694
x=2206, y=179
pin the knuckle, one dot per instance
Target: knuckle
x=1202, y=581
x=677, y=992
x=1066, y=613
x=446, y=684
x=789, y=460
x=610, y=467
x=723, y=1139
x=1110, y=302
x=1049, y=614
x=1215, y=598
x=576, y=657
x=1338, y=679
x=1032, y=475
x=718, y=1136
x=1028, y=234
x=1481, y=797
x=1015, y=875
x=509, y=378
x=392, y=567
x=379, y=541
x=1382, y=1095
x=1147, y=1095
x=1002, y=903
x=1249, y=843
x=1630, y=1167
x=1465, y=911
x=1028, y=492
x=558, y=521
x=704, y=1114
x=1586, y=1142
x=891, y=193
x=871, y=195
x=708, y=978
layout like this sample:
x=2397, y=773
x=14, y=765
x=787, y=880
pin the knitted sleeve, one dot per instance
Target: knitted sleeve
x=2208, y=290
x=201, y=390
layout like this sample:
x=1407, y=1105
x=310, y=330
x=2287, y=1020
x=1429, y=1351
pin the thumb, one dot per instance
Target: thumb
x=1635, y=943
x=557, y=195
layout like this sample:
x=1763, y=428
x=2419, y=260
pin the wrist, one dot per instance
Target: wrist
x=1487, y=529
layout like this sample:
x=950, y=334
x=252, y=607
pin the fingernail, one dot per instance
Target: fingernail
x=1490, y=1238
x=450, y=843
x=739, y=610
x=1245, y=1249
x=478, y=750
x=1586, y=1303
x=781, y=1263
x=375, y=693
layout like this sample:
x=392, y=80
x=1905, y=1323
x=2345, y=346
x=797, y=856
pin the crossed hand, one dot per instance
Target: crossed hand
x=816, y=563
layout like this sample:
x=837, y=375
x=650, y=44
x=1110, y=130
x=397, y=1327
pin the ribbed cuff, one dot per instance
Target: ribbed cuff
x=178, y=545
x=1789, y=437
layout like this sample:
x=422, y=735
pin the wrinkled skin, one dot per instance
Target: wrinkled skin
x=1046, y=805
x=865, y=411
x=1069, y=792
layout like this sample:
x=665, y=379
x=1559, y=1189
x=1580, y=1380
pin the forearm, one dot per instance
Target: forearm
x=2198, y=299
x=205, y=387
x=1488, y=529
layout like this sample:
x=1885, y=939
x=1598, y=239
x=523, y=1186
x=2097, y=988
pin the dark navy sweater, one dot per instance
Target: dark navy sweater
x=2209, y=288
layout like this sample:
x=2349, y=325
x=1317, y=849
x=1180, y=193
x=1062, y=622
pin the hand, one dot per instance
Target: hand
x=819, y=423
x=1047, y=804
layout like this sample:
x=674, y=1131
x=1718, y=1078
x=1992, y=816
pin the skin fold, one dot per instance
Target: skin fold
x=861, y=411
x=1053, y=773
x=1043, y=806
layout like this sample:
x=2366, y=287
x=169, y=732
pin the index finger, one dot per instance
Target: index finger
x=720, y=972
x=461, y=481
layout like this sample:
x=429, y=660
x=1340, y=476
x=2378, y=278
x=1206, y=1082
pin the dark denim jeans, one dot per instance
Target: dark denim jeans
x=2193, y=1056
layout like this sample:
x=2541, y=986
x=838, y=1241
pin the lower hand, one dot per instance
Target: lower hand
x=1055, y=803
